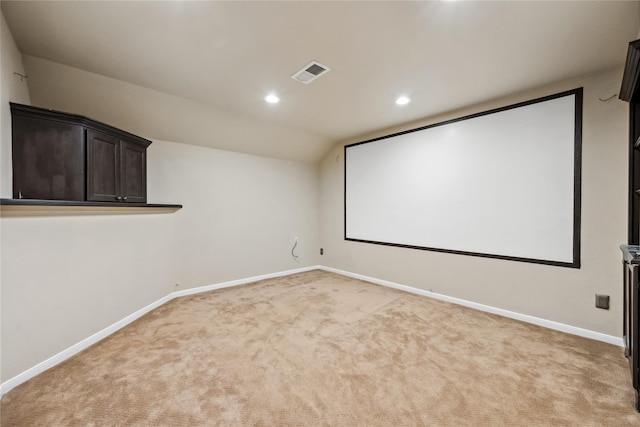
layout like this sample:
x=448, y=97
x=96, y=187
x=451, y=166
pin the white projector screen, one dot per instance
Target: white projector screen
x=502, y=184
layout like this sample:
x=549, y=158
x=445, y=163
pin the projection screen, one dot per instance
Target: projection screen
x=502, y=184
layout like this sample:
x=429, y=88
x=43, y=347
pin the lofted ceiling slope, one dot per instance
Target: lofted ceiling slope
x=227, y=55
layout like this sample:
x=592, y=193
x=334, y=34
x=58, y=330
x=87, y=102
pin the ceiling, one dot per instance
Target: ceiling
x=444, y=55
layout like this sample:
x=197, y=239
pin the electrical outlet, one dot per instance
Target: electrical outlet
x=602, y=301
x=321, y=251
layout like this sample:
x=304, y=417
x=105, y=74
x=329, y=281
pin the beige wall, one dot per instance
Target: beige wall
x=14, y=89
x=67, y=276
x=64, y=277
x=558, y=294
x=241, y=213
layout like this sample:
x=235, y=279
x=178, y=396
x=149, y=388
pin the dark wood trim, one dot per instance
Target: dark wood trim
x=629, y=89
x=630, y=92
x=631, y=224
x=633, y=237
x=47, y=114
x=630, y=326
x=74, y=203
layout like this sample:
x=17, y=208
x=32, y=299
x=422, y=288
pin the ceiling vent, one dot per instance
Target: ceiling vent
x=310, y=72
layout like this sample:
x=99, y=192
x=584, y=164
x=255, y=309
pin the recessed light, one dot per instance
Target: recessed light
x=403, y=100
x=272, y=99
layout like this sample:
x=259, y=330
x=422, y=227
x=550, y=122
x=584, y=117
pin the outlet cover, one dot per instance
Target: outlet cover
x=602, y=301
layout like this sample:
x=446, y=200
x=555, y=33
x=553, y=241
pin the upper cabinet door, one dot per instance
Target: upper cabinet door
x=103, y=167
x=133, y=167
x=48, y=159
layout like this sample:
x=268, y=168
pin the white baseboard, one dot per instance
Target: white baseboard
x=231, y=283
x=85, y=343
x=77, y=348
x=505, y=313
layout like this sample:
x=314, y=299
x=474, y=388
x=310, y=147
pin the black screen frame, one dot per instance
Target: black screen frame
x=577, y=182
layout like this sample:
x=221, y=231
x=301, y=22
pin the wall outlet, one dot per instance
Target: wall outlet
x=321, y=251
x=602, y=301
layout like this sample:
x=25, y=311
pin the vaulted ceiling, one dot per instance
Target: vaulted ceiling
x=227, y=56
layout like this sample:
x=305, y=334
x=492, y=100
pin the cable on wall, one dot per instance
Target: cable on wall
x=609, y=98
x=295, y=244
x=22, y=76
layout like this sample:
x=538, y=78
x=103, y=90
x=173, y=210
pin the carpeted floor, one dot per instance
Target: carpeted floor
x=319, y=349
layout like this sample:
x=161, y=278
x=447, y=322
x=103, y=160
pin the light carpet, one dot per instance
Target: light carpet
x=320, y=349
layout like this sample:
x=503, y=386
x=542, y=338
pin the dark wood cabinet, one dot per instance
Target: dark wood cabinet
x=43, y=169
x=103, y=167
x=630, y=326
x=630, y=92
x=133, y=172
x=117, y=169
x=62, y=156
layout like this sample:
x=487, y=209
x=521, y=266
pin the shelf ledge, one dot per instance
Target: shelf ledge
x=45, y=207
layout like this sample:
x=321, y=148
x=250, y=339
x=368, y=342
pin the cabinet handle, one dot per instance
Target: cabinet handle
x=124, y=198
x=118, y=198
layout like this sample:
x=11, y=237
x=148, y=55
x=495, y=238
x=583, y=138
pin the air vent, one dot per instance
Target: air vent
x=310, y=72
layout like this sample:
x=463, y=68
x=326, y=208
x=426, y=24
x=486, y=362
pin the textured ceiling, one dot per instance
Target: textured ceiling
x=229, y=55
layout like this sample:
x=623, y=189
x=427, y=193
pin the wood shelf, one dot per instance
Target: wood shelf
x=65, y=165
x=83, y=204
